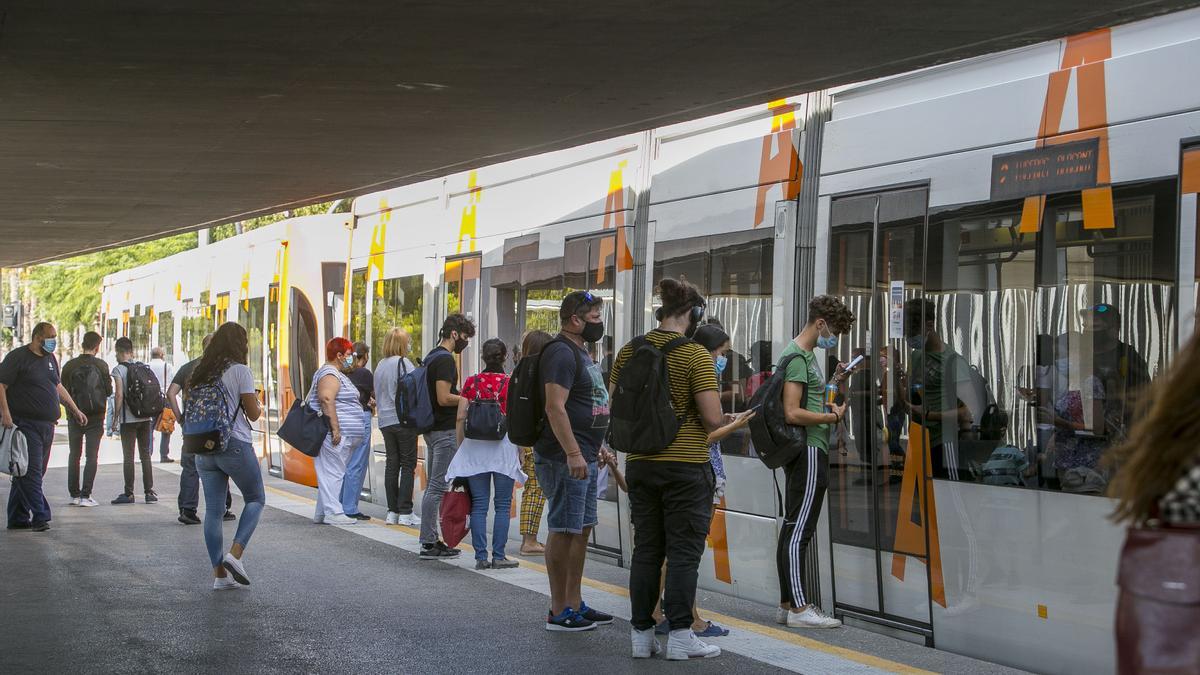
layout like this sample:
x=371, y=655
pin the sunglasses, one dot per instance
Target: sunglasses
x=585, y=300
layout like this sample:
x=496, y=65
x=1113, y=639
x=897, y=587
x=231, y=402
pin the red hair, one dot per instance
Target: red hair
x=336, y=347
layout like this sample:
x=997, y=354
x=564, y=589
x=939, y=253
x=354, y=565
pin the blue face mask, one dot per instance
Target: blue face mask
x=721, y=362
x=50, y=344
x=827, y=341
x=349, y=362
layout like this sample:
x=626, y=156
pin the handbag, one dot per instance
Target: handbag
x=455, y=513
x=166, y=423
x=304, y=429
x=14, y=452
x=1158, y=605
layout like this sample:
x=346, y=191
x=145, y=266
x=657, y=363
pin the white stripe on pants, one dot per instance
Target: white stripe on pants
x=331, y=473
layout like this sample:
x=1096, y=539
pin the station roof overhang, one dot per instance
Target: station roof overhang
x=129, y=120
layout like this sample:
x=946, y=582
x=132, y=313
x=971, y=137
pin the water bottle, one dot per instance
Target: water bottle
x=831, y=394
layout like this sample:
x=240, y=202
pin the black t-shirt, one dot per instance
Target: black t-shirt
x=106, y=383
x=364, y=382
x=587, y=399
x=32, y=383
x=184, y=372
x=442, y=369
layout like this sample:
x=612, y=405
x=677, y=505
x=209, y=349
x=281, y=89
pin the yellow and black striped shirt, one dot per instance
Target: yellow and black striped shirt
x=691, y=370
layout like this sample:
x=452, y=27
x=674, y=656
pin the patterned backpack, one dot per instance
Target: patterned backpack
x=207, y=419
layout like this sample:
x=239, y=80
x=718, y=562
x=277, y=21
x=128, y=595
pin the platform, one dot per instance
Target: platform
x=128, y=589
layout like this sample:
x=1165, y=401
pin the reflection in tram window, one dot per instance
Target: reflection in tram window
x=734, y=272
x=253, y=321
x=397, y=304
x=166, y=335
x=358, y=308
x=1059, y=330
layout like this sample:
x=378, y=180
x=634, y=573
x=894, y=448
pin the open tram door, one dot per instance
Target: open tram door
x=274, y=413
x=881, y=522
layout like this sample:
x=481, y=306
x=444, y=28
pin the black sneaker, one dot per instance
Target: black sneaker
x=19, y=526
x=229, y=515
x=188, y=517
x=568, y=622
x=151, y=497
x=123, y=499
x=437, y=551
x=359, y=516
x=595, y=616
x=40, y=526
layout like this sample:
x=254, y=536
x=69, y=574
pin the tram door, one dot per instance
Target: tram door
x=461, y=293
x=877, y=483
x=271, y=383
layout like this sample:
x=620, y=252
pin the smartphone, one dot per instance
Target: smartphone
x=854, y=362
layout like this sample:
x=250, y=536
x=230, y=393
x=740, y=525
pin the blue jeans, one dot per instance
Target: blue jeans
x=356, y=471
x=571, y=501
x=481, y=486
x=26, y=500
x=239, y=463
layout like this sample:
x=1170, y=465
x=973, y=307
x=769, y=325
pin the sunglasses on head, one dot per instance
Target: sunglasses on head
x=587, y=299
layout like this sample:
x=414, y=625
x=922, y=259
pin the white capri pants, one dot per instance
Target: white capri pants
x=331, y=472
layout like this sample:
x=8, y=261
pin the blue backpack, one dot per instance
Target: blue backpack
x=414, y=405
x=207, y=419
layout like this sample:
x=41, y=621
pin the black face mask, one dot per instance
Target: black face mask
x=592, y=332
x=459, y=345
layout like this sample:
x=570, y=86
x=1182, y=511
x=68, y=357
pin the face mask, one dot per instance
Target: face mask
x=592, y=332
x=916, y=342
x=50, y=344
x=460, y=344
x=348, y=362
x=827, y=341
x=721, y=362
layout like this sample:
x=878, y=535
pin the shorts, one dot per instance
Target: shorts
x=570, y=502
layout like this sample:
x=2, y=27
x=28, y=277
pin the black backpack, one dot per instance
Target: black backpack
x=86, y=387
x=485, y=421
x=775, y=441
x=526, y=396
x=642, y=418
x=143, y=395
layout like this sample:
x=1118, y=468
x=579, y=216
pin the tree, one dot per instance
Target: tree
x=68, y=291
x=233, y=229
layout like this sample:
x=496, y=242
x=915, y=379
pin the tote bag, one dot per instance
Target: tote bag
x=304, y=428
x=456, y=512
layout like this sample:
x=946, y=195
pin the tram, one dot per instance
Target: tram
x=1016, y=234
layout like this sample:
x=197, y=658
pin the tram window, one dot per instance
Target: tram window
x=590, y=265
x=139, y=333
x=166, y=335
x=734, y=272
x=1060, y=329
x=193, y=326
x=253, y=321
x=397, y=304
x=110, y=332
x=333, y=286
x=304, y=350
x=358, y=307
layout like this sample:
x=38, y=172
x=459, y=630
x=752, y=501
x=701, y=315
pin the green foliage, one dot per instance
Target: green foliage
x=68, y=291
x=230, y=229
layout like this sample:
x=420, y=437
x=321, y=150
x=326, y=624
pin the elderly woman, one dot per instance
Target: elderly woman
x=335, y=396
x=400, y=442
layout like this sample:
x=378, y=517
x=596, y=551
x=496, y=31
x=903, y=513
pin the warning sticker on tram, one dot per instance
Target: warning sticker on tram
x=1054, y=168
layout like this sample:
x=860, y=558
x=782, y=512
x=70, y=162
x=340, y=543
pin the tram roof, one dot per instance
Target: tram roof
x=133, y=119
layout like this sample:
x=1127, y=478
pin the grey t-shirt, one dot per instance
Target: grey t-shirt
x=238, y=380
x=121, y=373
x=387, y=372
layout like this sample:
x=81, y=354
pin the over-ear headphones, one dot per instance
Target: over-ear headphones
x=695, y=314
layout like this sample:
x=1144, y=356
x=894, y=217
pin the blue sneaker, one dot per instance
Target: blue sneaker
x=595, y=616
x=712, y=630
x=568, y=621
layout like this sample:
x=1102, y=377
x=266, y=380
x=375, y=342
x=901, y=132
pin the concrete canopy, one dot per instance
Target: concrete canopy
x=133, y=119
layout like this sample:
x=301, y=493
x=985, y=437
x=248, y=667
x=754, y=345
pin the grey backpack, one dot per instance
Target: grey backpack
x=14, y=452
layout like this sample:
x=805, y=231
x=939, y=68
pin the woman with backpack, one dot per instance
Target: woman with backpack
x=487, y=463
x=1157, y=488
x=670, y=489
x=400, y=442
x=335, y=396
x=223, y=384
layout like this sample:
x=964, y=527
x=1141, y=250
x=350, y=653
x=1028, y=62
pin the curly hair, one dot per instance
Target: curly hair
x=678, y=296
x=457, y=322
x=833, y=311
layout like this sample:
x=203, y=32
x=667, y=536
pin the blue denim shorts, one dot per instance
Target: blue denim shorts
x=570, y=502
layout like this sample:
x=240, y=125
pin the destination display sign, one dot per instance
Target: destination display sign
x=1054, y=168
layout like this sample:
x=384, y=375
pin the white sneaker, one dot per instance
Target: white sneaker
x=340, y=519
x=235, y=569
x=811, y=617
x=781, y=615
x=683, y=645
x=75, y=501
x=392, y=518
x=88, y=501
x=409, y=519
x=225, y=583
x=645, y=645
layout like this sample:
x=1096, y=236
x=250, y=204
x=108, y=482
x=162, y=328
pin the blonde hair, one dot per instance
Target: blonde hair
x=396, y=343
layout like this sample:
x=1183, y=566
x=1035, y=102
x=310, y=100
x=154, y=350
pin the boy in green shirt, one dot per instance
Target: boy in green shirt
x=807, y=475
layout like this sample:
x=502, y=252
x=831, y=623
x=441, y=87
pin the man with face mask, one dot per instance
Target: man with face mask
x=807, y=476
x=30, y=393
x=441, y=441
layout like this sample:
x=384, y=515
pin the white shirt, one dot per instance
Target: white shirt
x=163, y=372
